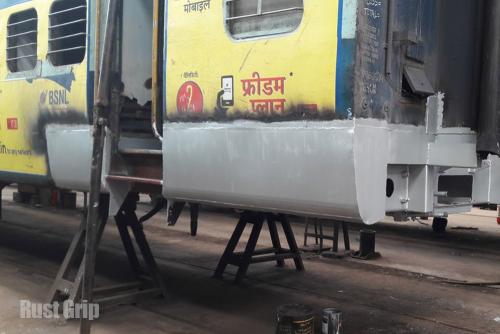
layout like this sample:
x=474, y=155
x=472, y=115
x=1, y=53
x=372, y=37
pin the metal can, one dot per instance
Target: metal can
x=331, y=321
x=295, y=319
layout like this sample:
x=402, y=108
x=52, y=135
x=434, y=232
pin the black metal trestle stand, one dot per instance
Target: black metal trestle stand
x=250, y=255
x=149, y=282
x=320, y=236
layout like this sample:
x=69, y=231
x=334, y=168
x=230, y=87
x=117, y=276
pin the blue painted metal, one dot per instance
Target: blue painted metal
x=90, y=70
x=9, y=3
x=345, y=67
x=65, y=80
x=36, y=180
x=165, y=53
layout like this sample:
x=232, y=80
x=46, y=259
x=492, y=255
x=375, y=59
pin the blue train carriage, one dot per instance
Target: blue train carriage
x=338, y=109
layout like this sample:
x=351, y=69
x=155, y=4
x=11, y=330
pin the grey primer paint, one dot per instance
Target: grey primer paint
x=325, y=169
x=137, y=46
x=333, y=169
x=486, y=188
x=69, y=149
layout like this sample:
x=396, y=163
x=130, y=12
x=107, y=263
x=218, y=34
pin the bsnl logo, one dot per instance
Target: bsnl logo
x=55, y=97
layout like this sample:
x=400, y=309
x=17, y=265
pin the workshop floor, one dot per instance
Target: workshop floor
x=408, y=290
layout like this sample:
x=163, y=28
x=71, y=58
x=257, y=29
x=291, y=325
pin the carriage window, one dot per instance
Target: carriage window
x=67, y=32
x=22, y=41
x=257, y=18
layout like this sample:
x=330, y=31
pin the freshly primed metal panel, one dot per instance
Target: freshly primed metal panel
x=70, y=160
x=329, y=169
x=70, y=155
x=137, y=46
x=294, y=161
x=486, y=188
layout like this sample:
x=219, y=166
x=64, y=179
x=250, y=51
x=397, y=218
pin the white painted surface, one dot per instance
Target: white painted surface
x=137, y=45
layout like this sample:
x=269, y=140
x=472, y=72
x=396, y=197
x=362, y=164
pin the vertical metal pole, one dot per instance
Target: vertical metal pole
x=259, y=7
x=97, y=46
x=157, y=62
x=489, y=100
x=99, y=134
x=1, y=199
x=389, y=37
x=85, y=201
x=194, y=210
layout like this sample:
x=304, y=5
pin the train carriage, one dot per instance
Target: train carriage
x=44, y=80
x=338, y=109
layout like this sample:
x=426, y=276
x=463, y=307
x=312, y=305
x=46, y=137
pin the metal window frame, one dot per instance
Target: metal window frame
x=52, y=27
x=259, y=13
x=9, y=48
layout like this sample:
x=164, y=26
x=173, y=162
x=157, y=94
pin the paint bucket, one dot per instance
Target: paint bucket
x=295, y=319
x=331, y=321
x=498, y=216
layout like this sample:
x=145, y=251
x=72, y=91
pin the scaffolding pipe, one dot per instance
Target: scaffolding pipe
x=101, y=115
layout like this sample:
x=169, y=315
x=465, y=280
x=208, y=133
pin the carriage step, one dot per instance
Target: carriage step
x=140, y=151
x=135, y=179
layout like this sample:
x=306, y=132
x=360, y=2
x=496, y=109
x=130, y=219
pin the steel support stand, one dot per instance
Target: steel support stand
x=100, y=120
x=63, y=286
x=149, y=282
x=125, y=220
x=250, y=255
x=175, y=210
x=194, y=211
x=318, y=225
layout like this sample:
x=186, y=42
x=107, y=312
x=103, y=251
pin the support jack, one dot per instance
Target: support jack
x=149, y=282
x=242, y=260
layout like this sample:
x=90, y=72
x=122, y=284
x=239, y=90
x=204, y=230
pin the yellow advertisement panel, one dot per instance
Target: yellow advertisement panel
x=251, y=59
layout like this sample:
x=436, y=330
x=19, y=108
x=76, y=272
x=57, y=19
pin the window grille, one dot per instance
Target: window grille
x=258, y=18
x=22, y=37
x=67, y=32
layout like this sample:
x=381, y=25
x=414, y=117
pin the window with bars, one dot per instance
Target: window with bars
x=22, y=41
x=257, y=18
x=67, y=32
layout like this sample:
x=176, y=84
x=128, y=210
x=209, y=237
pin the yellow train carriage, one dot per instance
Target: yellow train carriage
x=311, y=107
x=44, y=79
x=295, y=106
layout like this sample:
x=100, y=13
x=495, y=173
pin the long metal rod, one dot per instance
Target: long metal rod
x=21, y=46
x=67, y=36
x=21, y=57
x=265, y=13
x=1, y=199
x=389, y=37
x=66, y=50
x=99, y=134
x=22, y=22
x=97, y=45
x=67, y=23
x=68, y=10
x=156, y=94
x=23, y=33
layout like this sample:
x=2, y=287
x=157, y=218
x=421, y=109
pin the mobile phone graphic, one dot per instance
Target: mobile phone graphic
x=228, y=89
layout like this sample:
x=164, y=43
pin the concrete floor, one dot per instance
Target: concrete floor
x=407, y=290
